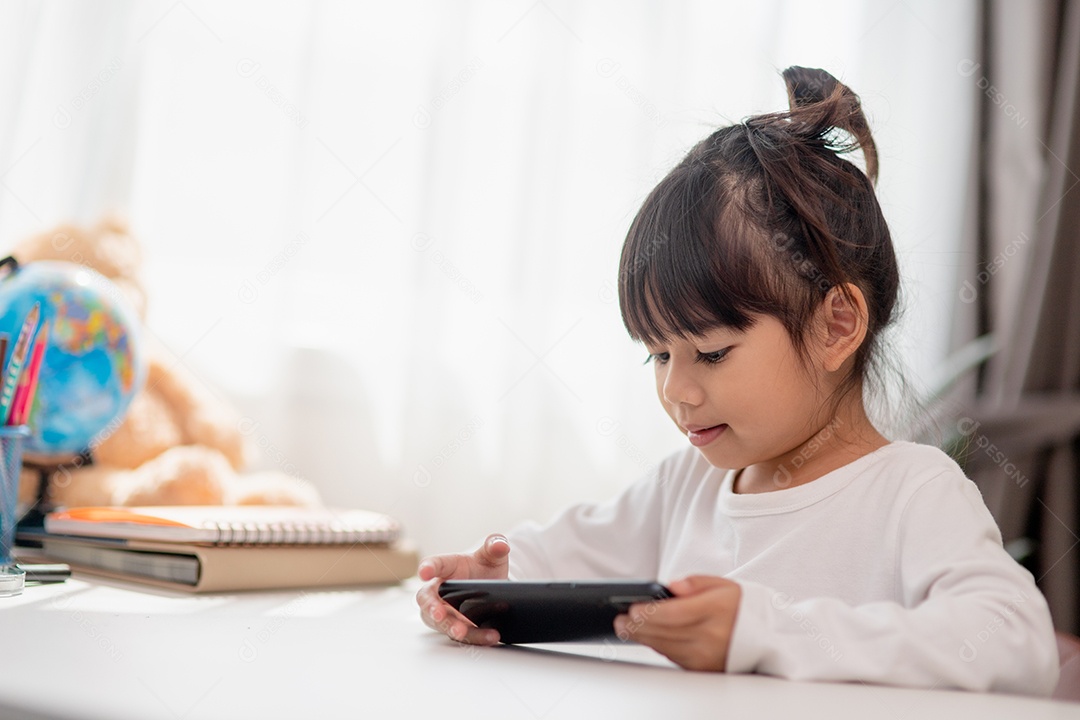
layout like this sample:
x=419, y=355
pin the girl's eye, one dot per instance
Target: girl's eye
x=714, y=357
x=657, y=358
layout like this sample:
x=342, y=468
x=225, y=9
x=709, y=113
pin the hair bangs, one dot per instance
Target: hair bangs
x=679, y=275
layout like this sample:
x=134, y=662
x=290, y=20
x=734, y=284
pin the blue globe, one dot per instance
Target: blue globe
x=92, y=366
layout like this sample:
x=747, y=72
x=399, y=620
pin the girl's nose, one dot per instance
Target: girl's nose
x=681, y=386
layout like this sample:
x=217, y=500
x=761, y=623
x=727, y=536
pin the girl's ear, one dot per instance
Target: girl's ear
x=844, y=317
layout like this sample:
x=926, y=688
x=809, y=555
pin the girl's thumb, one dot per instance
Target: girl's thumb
x=495, y=549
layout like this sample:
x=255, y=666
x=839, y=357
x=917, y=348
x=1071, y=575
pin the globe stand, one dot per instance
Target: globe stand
x=46, y=468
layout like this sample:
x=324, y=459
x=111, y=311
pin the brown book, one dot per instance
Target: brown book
x=210, y=568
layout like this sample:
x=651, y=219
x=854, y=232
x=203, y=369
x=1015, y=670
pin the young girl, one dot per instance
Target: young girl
x=797, y=540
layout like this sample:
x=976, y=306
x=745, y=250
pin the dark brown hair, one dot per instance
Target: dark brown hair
x=764, y=217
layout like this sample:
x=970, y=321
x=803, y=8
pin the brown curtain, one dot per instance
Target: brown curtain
x=1020, y=281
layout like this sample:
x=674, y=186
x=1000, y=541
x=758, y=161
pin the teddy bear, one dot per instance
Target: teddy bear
x=177, y=443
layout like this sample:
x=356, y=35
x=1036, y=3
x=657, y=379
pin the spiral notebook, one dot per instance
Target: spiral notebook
x=226, y=525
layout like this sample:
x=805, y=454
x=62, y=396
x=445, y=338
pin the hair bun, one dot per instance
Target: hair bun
x=808, y=85
x=819, y=104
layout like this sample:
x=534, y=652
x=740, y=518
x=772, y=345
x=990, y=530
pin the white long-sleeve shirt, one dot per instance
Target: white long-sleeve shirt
x=887, y=570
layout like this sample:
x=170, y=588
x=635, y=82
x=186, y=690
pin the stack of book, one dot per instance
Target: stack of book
x=219, y=548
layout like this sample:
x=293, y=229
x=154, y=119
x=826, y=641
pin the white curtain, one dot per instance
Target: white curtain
x=389, y=232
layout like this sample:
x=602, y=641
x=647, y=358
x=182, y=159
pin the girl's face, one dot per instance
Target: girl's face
x=740, y=397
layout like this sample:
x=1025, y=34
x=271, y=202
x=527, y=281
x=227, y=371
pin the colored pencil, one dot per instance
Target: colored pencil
x=3, y=352
x=21, y=385
x=21, y=409
x=18, y=357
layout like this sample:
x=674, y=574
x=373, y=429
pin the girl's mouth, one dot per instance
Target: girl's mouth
x=700, y=438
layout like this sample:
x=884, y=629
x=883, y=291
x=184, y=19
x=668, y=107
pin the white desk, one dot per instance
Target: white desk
x=89, y=649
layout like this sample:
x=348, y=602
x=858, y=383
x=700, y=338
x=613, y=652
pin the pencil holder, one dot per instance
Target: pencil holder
x=11, y=444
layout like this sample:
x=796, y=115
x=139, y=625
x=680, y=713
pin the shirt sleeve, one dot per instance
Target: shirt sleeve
x=971, y=617
x=616, y=539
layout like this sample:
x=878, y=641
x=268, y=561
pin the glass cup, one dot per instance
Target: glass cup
x=12, y=578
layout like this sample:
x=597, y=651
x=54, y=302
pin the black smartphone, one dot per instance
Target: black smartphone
x=44, y=573
x=543, y=611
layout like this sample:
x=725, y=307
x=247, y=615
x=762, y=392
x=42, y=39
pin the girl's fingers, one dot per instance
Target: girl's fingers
x=472, y=635
x=667, y=637
x=428, y=594
x=440, y=616
x=490, y=560
x=696, y=648
x=433, y=609
x=456, y=626
x=669, y=614
x=688, y=610
x=427, y=605
x=438, y=566
x=494, y=554
x=694, y=584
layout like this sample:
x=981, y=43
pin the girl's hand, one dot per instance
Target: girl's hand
x=490, y=562
x=693, y=629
